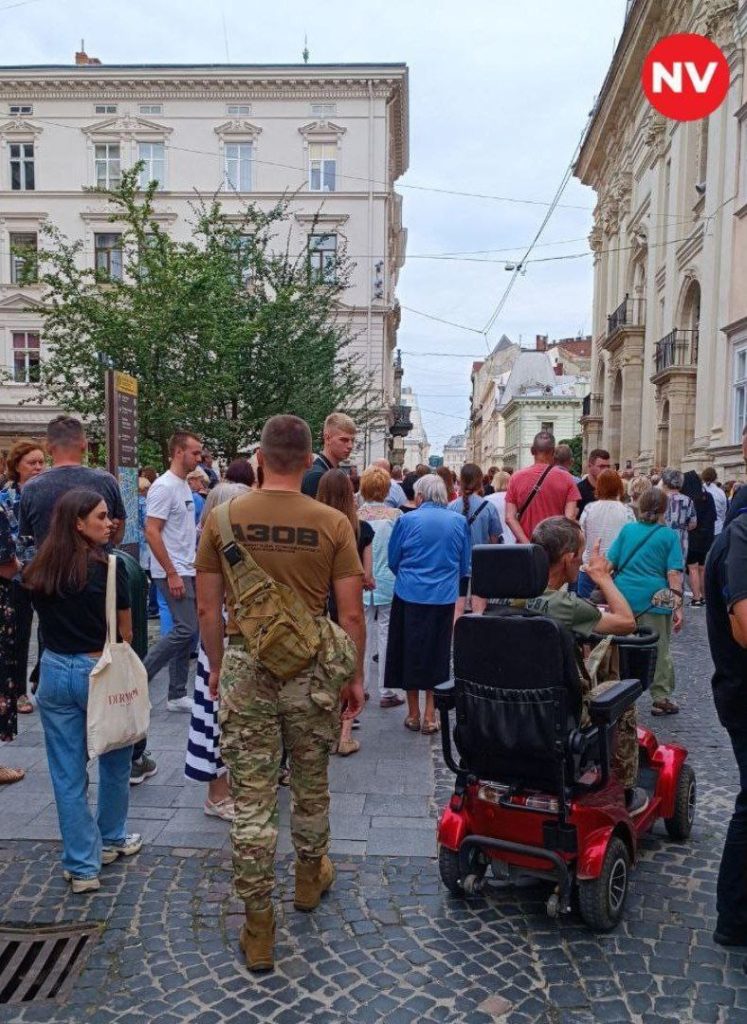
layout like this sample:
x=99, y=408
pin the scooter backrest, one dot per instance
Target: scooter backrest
x=518, y=570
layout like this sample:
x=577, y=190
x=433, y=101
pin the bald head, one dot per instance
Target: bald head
x=543, y=447
x=383, y=464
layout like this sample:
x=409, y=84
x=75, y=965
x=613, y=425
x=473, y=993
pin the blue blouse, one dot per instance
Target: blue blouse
x=429, y=551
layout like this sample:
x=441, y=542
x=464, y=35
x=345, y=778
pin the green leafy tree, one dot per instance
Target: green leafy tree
x=221, y=331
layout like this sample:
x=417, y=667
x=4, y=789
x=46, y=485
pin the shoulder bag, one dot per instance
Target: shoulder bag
x=533, y=493
x=118, y=712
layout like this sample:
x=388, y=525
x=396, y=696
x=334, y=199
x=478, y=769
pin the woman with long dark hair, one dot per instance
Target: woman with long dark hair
x=67, y=581
x=701, y=538
x=336, y=490
x=8, y=713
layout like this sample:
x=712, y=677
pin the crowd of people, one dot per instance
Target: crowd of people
x=372, y=569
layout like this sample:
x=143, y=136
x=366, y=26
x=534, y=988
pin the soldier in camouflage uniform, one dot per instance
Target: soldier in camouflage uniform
x=310, y=548
x=563, y=541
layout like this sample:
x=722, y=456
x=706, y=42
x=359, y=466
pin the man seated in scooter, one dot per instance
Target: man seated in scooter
x=563, y=541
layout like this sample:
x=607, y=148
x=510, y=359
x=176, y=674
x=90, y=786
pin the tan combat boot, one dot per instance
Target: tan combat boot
x=257, y=939
x=313, y=878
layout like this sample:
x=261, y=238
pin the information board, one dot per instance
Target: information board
x=121, y=444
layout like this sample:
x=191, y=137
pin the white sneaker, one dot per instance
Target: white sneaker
x=79, y=885
x=180, y=704
x=130, y=845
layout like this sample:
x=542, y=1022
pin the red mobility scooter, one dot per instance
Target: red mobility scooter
x=534, y=793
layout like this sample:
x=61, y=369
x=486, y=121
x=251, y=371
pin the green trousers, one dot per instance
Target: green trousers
x=663, y=684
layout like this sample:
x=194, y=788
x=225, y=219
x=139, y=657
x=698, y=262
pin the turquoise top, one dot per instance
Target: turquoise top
x=645, y=572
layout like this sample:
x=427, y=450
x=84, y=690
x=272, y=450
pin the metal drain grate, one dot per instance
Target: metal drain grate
x=42, y=962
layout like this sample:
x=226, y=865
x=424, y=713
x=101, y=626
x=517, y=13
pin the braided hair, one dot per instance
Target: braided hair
x=470, y=482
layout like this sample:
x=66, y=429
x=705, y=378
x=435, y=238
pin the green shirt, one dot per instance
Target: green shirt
x=568, y=609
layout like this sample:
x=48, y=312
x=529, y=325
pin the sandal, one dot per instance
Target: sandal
x=413, y=724
x=220, y=809
x=347, y=747
x=429, y=728
x=24, y=706
x=664, y=707
x=9, y=775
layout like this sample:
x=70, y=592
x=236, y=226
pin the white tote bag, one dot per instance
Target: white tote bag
x=118, y=701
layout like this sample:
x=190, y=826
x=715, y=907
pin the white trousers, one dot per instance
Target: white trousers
x=377, y=634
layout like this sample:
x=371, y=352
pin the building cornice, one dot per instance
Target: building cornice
x=20, y=128
x=246, y=129
x=325, y=129
x=126, y=126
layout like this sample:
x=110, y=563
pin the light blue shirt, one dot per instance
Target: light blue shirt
x=396, y=497
x=383, y=575
x=429, y=551
x=486, y=524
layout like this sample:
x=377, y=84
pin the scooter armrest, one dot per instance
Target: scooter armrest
x=608, y=706
x=443, y=696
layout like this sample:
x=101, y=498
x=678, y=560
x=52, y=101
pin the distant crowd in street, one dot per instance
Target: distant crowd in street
x=303, y=587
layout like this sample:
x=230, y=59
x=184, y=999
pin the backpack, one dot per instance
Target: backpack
x=279, y=630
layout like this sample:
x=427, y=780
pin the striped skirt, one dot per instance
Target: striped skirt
x=203, y=761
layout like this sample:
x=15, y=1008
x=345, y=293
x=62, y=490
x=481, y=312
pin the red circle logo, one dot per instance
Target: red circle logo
x=685, y=76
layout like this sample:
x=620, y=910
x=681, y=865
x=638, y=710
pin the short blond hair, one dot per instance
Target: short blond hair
x=501, y=481
x=199, y=474
x=341, y=422
x=375, y=483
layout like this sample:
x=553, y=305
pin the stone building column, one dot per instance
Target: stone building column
x=630, y=418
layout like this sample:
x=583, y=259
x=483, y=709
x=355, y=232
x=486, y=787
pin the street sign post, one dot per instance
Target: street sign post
x=121, y=446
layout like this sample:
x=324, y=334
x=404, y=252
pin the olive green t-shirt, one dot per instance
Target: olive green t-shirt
x=568, y=609
x=296, y=540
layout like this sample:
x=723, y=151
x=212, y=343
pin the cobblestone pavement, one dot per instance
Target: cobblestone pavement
x=388, y=944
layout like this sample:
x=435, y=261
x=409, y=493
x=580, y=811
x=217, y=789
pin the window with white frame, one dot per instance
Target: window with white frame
x=237, y=170
x=23, y=246
x=151, y=108
x=322, y=166
x=26, y=358
x=740, y=392
x=323, y=257
x=107, y=164
x=323, y=109
x=108, y=253
x=153, y=156
x=239, y=109
x=105, y=108
x=548, y=425
x=22, y=178
x=21, y=109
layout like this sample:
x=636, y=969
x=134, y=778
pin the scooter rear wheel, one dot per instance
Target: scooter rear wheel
x=601, y=900
x=680, y=825
x=448, y=866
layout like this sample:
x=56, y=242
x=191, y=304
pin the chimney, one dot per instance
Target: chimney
x=81, y=57
x=558, y=369
x=541, y=342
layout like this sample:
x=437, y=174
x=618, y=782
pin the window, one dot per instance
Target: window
x=23, y=268
x=108, y=252
x=107, y=164
x=740, y=392
x=548, y=426
x=324, y=109
x=153, y=156
x=105, y=108
x=20, y=109
x=238, y=166
x=151, y=108
x=239, y=109
x=323, y=257
x=322, y=166
x=25, y=357
x=22, y=166
x=242, y=245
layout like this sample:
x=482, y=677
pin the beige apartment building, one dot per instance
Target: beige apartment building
x=417, y=446
x=336, y=136
x=669, y=357
x=455, y=452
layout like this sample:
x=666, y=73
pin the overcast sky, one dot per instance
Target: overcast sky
x=499, y=94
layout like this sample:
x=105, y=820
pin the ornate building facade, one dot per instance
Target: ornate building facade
x=668, y=219
x=335, y=137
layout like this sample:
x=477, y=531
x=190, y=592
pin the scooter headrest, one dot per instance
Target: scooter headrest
x=517, y=570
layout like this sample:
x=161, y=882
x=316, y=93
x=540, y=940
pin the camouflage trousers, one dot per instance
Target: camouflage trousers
x=258, y=715
x=624, y=756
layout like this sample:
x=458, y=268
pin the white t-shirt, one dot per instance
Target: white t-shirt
x=498, y=498
x=721, y=503
x=170, y=498
x=602, y=521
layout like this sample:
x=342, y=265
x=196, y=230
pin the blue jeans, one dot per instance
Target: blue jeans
x=731, y=889
x=63, y=700
x=584, y=585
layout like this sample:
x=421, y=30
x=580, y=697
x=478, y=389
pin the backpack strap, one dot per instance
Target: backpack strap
x=241, y=566
x=476, y=513
x=533, y=493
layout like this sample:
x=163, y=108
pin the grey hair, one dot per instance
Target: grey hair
x=558, y=536
x=651, y=505
x=672, y=478
x=431, y=488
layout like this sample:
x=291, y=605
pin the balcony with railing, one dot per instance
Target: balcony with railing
x=676, y=351
x=592, y=407
x=631, y=313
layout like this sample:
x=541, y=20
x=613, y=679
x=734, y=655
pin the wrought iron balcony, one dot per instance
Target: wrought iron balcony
x=630, y=313
x=678, y=348
x=592, y=405
x=400, y=423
